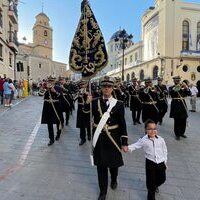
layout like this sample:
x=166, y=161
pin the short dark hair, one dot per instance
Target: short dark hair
x=149, y=121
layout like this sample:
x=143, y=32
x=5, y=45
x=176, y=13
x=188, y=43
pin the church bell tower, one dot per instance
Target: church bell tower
x=42, y=36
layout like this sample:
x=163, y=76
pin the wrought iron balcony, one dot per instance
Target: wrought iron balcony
x=13, y=42
x=12, y=13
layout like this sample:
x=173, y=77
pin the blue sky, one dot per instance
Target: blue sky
x=64, y=16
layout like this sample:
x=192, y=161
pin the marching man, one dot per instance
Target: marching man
x=109, y=135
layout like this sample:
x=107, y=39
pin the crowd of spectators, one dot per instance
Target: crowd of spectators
x=9, y=90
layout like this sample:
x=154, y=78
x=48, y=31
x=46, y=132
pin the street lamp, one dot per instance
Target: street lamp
x=123, y=38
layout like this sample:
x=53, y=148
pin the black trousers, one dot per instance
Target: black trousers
x=83, y=133
x=67, y=117
x=179, y=126
x=103, y=177
x=51, y=131
x=155, y=176
x=136, y=115
x=162, y=110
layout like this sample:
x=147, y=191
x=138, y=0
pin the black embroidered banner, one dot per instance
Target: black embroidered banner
x=88, y=51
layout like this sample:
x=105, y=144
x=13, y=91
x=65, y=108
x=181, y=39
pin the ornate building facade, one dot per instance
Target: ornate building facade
x=34, y=60
x=169, y=46
x=8, y=37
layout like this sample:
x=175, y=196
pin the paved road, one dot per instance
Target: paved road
x=30, y=170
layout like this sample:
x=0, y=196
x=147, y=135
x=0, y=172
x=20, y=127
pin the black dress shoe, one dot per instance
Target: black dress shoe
x=82, y=142
x=184, y=136
x=89, y=138
x=139, y=122
x=66, y=123
x=50, y=143
x=102, y=197
x=177, y=137
x=57, y=137
x=113, y=185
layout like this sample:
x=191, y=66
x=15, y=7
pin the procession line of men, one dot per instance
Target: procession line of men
x=57, y=100
x=109, y=131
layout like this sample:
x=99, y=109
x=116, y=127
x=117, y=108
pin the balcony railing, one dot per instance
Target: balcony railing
x=12, y=12
x=13, y=42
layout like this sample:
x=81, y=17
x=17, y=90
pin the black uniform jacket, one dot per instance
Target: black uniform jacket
x=149, y=105
x=48, y=113
x=162, y=97
x=135, y=102
x=83, y=117
x=105, y=152
x=178, y=105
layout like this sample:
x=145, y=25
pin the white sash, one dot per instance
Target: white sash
x=103, y=121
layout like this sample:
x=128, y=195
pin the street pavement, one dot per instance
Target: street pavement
x=30, y=170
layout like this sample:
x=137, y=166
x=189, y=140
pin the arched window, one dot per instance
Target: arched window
x=133, y=75
x=198, y=36
x=128, y=78
x=185, y=39
x=45, y=33
x=142, y=75
x=155, y=72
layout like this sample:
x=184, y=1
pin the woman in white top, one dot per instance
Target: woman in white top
x=156, y=157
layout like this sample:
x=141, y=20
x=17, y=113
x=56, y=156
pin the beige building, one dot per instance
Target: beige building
x=34, y=60
x=170, y=44
x=8, y=37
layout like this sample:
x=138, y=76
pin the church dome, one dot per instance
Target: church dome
x=117, y=34
x=42, y=15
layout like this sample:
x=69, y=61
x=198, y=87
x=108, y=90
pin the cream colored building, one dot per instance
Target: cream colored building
x=37, y=56
x=170, y=44
x=8, y=37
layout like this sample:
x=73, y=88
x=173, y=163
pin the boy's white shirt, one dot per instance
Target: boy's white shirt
x=155, y=149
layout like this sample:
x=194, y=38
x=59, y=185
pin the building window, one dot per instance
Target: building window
x=125, y=61
x=136, y=57
x=185, y=39
x=128, y=77
x=198, y=36
x=133, y=75
x=131, y=59
x=40, y=65
x=155, y=72
x=10, y=59
x=142, y=75
x=198, y=69
x=1, y=52
x=185, y=68
x=1, y=19
x=20, y=67
x=45, y=33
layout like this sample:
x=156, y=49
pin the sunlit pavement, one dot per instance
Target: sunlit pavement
x=30, y=170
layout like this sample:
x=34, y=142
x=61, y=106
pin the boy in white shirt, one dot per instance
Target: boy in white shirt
x=156, y=157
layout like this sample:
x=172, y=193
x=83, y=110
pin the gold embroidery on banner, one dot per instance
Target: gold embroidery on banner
x=88, y=52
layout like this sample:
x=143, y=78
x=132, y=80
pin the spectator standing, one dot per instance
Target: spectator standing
x=1, y=89
x=194, y=92
x=7, y=92
x=12, y=91
x=20, y=88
